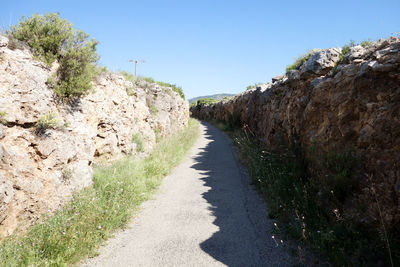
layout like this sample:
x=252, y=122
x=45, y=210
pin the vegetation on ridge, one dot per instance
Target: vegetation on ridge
x=203, y=101
x=52, y=38
x=135, y=80
x=300, y=60
x=77, y=230
x=343, y=59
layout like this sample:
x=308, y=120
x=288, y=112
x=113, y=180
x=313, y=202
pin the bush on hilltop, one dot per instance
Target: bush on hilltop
x=52, y=38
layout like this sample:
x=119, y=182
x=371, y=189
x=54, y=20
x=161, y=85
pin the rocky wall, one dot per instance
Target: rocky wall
x=352, y=106
x=39, y=171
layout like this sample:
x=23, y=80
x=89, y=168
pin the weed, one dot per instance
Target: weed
x=66, y=125
x=174, y=88
x=366, y=43
x=147, y=79
x=95, y=213
x=300, y=61
x=157, y=133
x=152, y=108
x=66, y=174
x=47, y=121
x=343, y=59
x=2, y=115
x=250, y=87
x=340, y=168
x=204, y=101
x=130, y=91
x=130, y=77
x=138, y=141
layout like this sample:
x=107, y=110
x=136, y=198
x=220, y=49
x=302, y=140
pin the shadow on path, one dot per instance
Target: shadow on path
x=244, y=237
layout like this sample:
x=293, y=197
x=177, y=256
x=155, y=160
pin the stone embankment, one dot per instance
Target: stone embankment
x=40, y=170
x=334, y=103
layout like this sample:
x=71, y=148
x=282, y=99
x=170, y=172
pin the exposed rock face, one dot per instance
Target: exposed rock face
x=357, y=106
x=321, y=62
x=39, y=172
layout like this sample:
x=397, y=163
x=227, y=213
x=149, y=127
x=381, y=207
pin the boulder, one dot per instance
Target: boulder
x=356, y=52
x=321, y=62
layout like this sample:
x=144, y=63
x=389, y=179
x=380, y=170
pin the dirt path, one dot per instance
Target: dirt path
x=205, y=214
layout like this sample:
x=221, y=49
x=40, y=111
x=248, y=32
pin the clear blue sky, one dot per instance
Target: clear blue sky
x=214, y=46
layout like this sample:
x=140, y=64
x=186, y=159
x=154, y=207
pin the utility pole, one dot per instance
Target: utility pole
x=136, y=61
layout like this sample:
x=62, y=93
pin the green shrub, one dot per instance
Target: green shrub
x=300, y=61
x=77, y=69
x=205, y=101
x=138, y=141
x=46, y=35
x=52, y=38
x=174, y=87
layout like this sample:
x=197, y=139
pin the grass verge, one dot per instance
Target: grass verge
x=97, y=212
x=307, y=210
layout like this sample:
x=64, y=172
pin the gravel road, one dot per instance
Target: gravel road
x=205, y=213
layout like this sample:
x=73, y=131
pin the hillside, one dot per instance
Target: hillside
x=216, y=97
x=48, y=145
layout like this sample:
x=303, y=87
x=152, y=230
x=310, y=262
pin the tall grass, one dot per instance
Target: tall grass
x=95, y=213
x=307, y=209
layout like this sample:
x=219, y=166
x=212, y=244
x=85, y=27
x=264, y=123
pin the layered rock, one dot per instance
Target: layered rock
x=39, y=171
x=327, y=107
